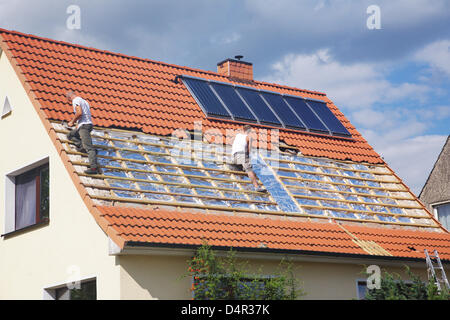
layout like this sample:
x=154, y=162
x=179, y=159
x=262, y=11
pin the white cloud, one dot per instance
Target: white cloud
x=226, y=39
x=437, y=55
x=408, y=13
x=369, y=118
x=353, y=85
x=443, y=112
x=398, y=134
x=345, y=16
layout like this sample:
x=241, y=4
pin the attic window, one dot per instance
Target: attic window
x=6, y=108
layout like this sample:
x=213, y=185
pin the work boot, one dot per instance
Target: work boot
x=80, y=149
x=261, y=189
x=92, y=171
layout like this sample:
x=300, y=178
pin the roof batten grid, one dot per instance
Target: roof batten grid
x=151, y=146
x=380, y=209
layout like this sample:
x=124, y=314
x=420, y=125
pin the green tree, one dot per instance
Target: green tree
x=229, y=279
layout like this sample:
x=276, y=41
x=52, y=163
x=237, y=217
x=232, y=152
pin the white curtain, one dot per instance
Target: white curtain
x=444, y=215
x=25, y=200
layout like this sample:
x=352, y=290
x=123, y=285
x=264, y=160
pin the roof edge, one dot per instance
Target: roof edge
x=424, y=207
x=136, y=244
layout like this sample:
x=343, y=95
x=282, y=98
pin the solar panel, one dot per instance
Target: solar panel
x=282, y=109
x=234, y=103
x=248, y=104
x=259, y=107
x=274, y=186
x=206, y=98
x=328, y=118
x=304, y=112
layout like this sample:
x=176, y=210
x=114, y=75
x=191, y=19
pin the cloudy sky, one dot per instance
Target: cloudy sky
x=393, y=82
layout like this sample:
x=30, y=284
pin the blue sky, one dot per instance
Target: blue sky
x=393, y=82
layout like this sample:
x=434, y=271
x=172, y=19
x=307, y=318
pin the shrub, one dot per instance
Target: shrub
x=392, y=287
x=229, y=279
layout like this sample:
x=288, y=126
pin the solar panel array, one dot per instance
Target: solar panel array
x=228, y=101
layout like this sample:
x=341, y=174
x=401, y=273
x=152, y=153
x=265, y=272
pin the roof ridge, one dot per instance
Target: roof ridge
x=2, y=30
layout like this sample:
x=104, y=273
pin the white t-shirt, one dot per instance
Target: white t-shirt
x=239, y=143
x=85, y=109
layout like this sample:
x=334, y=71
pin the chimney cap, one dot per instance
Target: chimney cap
x=235, y=60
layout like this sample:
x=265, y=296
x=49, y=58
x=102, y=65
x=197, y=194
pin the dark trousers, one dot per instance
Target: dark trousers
x=81, y=137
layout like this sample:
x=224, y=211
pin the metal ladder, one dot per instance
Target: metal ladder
x=431, y=270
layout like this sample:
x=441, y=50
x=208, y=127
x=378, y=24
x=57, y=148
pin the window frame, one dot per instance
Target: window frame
x=37, y=176
x=53, y=292
x=435, y=206
x=358, y=283
x=364, y=282
x=10, y=197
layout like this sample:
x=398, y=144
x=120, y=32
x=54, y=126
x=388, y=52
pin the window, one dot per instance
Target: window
x=443, y=214
x=27, y=200
x=86, y=291
x=32, y=197
x=361, y=289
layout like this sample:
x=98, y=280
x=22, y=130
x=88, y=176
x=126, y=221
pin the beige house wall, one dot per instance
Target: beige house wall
x=160, y=276
x=72, y=244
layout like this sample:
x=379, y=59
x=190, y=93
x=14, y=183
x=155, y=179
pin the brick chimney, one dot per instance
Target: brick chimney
x=236, y=68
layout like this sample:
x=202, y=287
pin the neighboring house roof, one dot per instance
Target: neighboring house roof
x=437, y=186
x=342, y=206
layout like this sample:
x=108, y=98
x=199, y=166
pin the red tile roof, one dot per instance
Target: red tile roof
x=137, y=93
x=188, y=228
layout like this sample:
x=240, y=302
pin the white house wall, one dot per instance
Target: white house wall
x=72, y=244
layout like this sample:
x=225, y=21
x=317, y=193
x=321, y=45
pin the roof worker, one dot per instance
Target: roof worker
x=240, y=152
x=81, y=135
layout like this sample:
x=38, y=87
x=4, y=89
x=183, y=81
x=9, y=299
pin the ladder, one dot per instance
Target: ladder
x=432, y=267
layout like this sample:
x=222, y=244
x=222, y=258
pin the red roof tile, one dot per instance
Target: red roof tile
x=140, y=94
x=180, y=227
x=136, y=93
